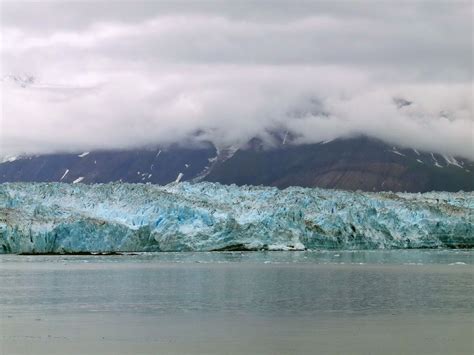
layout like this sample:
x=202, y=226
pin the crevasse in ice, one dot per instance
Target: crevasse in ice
x=64, y=218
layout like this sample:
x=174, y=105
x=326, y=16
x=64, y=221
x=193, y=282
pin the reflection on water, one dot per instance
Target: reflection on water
x=306, y=283
x=407, y=257
x=362, y=302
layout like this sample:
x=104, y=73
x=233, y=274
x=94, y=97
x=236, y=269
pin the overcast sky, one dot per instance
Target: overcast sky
x=120, y=74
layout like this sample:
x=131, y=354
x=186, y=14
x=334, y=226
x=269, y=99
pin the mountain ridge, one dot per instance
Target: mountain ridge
x=358, y=163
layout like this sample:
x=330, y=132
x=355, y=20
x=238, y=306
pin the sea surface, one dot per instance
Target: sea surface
x=321, y=302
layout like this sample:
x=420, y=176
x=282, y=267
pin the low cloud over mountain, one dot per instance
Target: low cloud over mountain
x=130, y=74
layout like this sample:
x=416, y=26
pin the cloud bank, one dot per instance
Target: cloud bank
x=132, y=74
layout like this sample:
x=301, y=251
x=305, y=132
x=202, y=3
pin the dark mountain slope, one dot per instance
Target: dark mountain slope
x=159, y=166
x=357, y=163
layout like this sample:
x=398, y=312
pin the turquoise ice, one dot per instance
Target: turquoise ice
x=65, y=218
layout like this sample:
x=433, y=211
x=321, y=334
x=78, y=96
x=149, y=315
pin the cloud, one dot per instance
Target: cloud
x=153, y=74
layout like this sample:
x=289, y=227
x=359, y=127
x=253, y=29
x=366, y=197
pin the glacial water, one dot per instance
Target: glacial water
x=322, y=302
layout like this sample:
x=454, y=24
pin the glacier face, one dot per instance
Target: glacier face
x=64, y=218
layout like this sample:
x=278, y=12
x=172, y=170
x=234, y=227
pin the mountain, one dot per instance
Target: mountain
x=156, y=166
x=355, y=163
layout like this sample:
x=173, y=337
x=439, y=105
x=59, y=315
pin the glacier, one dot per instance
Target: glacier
x=117, y=217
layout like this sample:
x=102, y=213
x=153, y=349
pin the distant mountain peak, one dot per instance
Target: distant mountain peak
x=22, y=80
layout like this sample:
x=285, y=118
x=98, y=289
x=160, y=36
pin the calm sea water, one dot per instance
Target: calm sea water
x=361, y=302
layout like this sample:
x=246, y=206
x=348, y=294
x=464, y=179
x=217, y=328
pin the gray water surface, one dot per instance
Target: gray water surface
x=360, y=302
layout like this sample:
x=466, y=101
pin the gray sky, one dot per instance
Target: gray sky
x=121, y=74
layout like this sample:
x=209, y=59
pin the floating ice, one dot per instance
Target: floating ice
x=72, y=218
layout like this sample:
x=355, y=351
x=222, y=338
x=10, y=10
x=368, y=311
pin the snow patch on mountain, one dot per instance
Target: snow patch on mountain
x=452, y=161
x=179, y=177
x=64, y=175
x=395, y=151
x=438, y=165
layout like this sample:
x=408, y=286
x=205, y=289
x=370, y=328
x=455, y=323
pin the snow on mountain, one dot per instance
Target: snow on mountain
x=179, y=177
x=395, y=151
x=438, y=165
x=327, y=141
x=452, y=161
x=78, y=180
x=22, y=80
x=353, y=164
x=64, y=175
x=11, y=159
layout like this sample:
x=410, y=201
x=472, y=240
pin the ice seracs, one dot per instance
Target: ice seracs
x=71, y=218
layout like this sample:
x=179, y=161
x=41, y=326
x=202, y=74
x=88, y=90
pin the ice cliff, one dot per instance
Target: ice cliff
x=64, y=218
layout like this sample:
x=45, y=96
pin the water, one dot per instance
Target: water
x=342, y=302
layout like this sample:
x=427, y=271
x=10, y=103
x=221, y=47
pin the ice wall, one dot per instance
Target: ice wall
x=63, y=218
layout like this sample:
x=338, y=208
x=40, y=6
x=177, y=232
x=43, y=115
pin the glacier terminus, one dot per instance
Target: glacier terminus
x=37, y=218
